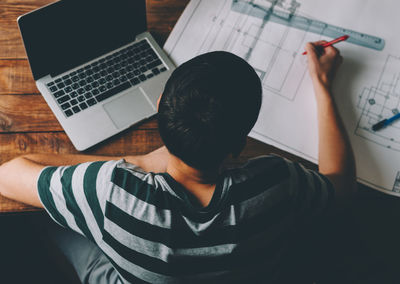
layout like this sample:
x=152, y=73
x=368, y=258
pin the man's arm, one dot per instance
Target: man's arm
x=18, y=177
x=336, y=158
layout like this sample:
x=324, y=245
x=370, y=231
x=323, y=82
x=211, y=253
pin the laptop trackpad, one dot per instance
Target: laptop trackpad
x=129, y=108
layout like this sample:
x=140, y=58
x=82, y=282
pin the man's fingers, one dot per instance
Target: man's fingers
x=332, y=50
x=311, y=51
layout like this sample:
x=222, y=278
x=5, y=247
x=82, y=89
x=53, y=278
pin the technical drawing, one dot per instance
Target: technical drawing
x=380, y=102
x=396, y=186
x=271, y=35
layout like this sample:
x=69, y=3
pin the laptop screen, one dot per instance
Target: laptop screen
x=69, y=33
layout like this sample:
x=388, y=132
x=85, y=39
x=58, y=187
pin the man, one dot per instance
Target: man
x=173, y=215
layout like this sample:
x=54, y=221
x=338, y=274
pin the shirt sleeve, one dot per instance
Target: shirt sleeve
x=75, y=196
x=313, y=192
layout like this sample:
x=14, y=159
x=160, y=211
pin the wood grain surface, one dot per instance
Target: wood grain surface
x=27, y=125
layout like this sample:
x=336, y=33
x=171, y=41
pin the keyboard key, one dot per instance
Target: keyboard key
x=94, y=63
x=116, y=74
x=65, y=77
x=102, y=88
x=110, y=70
x=73, y=95
x=82, y=83
x=80, y=70
x=73, y=102
x=96, y=69
x=82, y=75
x=68, y=113
x=163, y=69
x=53, y=89
x=135, y=81
x=95, y=92
x=50, y=84
x=68, y=82
x=154, y=64
x=68, y=89
x=122, y=71
x=155, y=71
x=124, y=63
x=81, y=91
x=151, y=75
x=142, y=78
x=75, y=86
x=130, y=75
x=91, y=102
x=117, y=66
x=63, y=99
x=116, y=82
x=102, y=81
x=83, y=106
x=88, y=88
x=96, y=76
x=109, y=78
x=73, y=73
x=102, y=60
x=65, y=106
x=59, y=93
x=76, y=109
x=109, y=85
x=58, y=80
x=95, y=84
x=89, y=72
x=103, y=73
x=87, y=67
x=123, y=78
x=137, y=72
x=143, y=69
x=81, y=99
x=89, y=79
x=60, y=85
x=75, y=79
x=88, y=95
x=113, y=91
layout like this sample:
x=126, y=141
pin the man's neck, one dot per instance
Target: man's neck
x=200, y=184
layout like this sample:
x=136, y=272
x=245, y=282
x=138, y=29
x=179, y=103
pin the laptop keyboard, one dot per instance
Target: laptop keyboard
x=102, y=79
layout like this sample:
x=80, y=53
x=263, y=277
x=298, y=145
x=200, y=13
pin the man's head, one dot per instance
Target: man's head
x=208, y=107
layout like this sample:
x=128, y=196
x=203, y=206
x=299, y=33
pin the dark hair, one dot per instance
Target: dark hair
x=208, y=107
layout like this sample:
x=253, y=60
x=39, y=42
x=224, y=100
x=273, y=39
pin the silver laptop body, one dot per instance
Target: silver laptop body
x=108, y=93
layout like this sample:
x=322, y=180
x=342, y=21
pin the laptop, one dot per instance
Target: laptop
x=95, y=64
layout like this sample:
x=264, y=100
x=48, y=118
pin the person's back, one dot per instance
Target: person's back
x=174, y=215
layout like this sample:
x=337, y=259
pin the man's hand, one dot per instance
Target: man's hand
x=323, y=63
x=335, y=158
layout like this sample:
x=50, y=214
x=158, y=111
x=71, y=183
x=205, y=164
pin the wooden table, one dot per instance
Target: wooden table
x=27, y=124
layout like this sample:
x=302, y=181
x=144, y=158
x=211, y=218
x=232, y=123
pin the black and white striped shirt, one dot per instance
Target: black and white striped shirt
x=153, y=230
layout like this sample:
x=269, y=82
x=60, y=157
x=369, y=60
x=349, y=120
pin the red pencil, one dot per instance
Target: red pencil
x=339, y=39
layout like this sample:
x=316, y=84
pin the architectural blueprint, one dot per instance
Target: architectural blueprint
x=271, y=35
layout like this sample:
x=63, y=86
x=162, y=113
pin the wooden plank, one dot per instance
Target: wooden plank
x=8, y=206
x=126, y=143
x=161, y=18
x=30, y=113
x=16, y=77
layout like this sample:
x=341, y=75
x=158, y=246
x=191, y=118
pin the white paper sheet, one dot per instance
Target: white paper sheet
x=367, y=88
